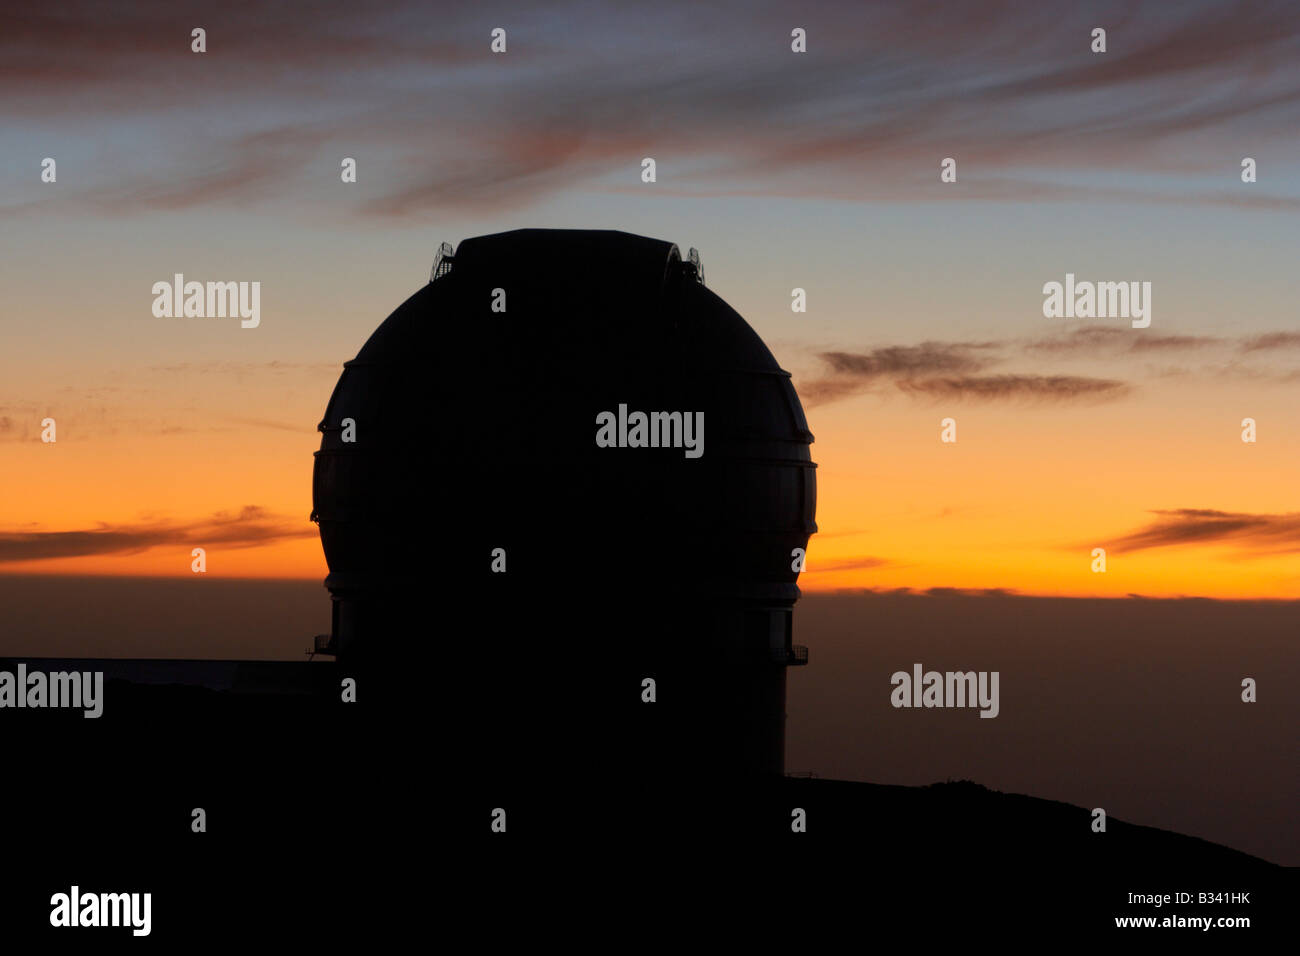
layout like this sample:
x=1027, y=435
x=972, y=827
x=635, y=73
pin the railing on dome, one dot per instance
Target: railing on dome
x=442, y=262
x=796, y=656
x=693, y=265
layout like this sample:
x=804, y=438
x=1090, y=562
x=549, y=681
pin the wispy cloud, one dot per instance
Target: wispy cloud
x=969, y=592
x=1270, y=341
x=848, y=373
x=249, y=527
x=961, y=370
x=20, y=421
x=1109, y=339
x=1032, y=388
x=886, y=87
x=847, y=564
x=1255, y=533
x=934, y=592
x=300, y=427
x=239, y=368
x=918, y=370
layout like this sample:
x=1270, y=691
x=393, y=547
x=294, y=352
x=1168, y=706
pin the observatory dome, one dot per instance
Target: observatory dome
x=565, y=433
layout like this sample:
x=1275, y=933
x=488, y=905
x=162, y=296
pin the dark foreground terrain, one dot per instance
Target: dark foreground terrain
x=1128, y=704
x=371, y=821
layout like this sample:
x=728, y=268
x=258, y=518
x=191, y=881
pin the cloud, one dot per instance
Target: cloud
x=21, y=422
x=1150, y=343
x=954, y=370
x=226, y=368
x=852, y=372
x=885, y=89
x=840, y=534
x=1035, y=388
x=249, y=527
x=1231, y=371
x=1108, y=339
x=846, y=564
x=933, y=592
x=917, y=371
x=1271, y=340
x=969, y=592
x=139, y=58
x=1112, y=339
x=249, y=170
x=300, y=428
x=908, y=359
x=1259, y=533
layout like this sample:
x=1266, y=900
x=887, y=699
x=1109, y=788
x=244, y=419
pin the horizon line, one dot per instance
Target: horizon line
x=933, y=591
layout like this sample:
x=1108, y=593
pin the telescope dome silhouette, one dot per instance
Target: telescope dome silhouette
x=568, y=478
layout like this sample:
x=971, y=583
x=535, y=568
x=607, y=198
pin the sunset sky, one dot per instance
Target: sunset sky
x=816, y=170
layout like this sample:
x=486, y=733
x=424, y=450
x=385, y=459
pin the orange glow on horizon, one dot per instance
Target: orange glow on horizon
x=1018, y=503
